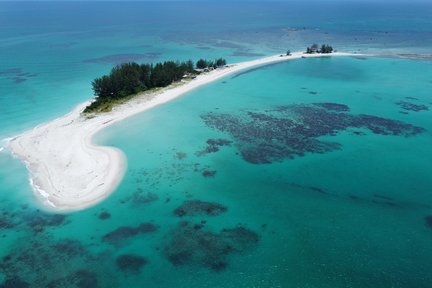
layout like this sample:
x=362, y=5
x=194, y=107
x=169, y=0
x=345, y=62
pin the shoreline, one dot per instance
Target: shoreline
x=69, y=173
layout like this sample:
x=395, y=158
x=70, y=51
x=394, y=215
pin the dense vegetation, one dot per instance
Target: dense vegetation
x=132, y=78
x=325, y=49
x=203, y=64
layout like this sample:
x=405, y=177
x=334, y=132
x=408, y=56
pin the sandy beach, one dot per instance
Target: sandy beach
x=68, y=172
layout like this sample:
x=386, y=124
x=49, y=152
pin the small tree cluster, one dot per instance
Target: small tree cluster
x=325, y=49
x=202, y=63
x=131, y=78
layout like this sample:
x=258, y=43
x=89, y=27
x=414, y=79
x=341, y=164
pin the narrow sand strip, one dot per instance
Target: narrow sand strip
x=68, y=172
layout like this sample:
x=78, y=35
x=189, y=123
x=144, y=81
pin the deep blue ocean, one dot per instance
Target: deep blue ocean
x=309, y=173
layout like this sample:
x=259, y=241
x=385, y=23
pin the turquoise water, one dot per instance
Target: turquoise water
x=351, y=217
x=270, y=178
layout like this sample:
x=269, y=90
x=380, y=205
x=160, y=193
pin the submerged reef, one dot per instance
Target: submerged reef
x=294, y=130
x=46, y=262
x=17, y=75
x=79, y=278
x=208, y=173
x=428, y=221
x=411, y=106
x=213, y=145
x=181, y=155
x=131, y=263
x=39, y=221
x=193, y=245
x=117, y=236
x=104, y=215
x=197, y=207
x=5, y=223
x=116, y=59
x=14, y=282
x=69, y=248
x=140, y=197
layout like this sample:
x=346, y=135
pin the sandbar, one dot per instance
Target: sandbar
x=68, y=172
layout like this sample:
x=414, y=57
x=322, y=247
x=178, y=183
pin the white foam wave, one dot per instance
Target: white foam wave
x=4, y=143
x=41, y=192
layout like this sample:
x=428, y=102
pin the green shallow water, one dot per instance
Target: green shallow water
x=350, y=217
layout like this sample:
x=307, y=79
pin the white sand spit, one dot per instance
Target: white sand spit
x=68, y=172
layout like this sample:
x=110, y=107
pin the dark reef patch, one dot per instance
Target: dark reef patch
x=12, y=71
x=181, y=155
x=130, y=262
x=117, y=236
x=116, y=59
x=411, y=98
x=5, y=223
x=294, y=130
x=204, y=48
x=79, y=279
x=19, y=79
x=317, y=190
x=104, y=215
x=17, y=75
x=246, y=53
x=207, y=249
x=208, y=173
x=213, y=146
x=377, y=200
x=140, y=197
x=197, y=207
x=240, y=238
x=39, y=221
x=428, y=221
x=14, y=282
x=358, y=133
x=383, y=197
x=412, y=107
x=43, y=262
x=227, y=44
x=69, y=248
x=333, y=106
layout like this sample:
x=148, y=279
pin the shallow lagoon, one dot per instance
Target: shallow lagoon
x=193, y=208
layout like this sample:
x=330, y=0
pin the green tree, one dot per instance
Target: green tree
x=326, y=49
x=220, y=62
x=314, y=48
x=131, y=78
x=201, y=64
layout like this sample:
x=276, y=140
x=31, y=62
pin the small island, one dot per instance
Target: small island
x=68, y=171
x=129, y=79
x=314, y=49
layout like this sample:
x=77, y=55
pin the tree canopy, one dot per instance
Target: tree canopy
x=131, y=78
x=203, y=64
x=325, y=49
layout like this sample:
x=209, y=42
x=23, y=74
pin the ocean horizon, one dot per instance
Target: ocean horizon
x=307, y=173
